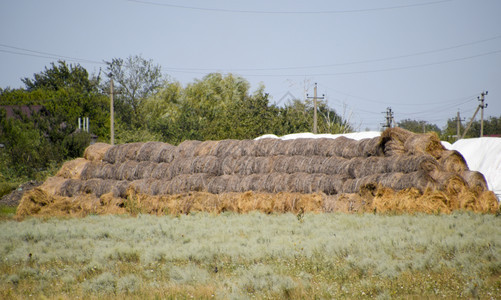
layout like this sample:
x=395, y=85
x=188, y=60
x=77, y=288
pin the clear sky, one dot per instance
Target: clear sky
x=426, y=59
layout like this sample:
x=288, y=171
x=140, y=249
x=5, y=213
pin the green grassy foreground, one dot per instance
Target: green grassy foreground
x=232, y=256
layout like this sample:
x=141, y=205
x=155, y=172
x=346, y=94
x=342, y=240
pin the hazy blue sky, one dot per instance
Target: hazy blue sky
x=426, y=59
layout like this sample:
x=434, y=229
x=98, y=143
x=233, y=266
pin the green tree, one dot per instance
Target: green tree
x=297, y=116
x=66, y=93
x=418, y=126
x=62, y=76
x=135, y=80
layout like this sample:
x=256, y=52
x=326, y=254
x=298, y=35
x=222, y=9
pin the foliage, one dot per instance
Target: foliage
x=202, y=256
x=135, y=79
x=492, y=126
x=297, y=116
x=62, y=76
x=222, y=107
x=35, y=144
x=418, y=126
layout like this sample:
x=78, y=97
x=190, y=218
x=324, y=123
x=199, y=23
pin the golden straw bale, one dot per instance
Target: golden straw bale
x=409, y=201
x=452, y=161
x=32, y=202
x=478, y=201
x=346, y=203
x=73, y=169
x=53, y=185
x=96, y=152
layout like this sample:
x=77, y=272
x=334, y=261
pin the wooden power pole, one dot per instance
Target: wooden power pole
x=480, y=106
x=112, y=117
x=315, y=107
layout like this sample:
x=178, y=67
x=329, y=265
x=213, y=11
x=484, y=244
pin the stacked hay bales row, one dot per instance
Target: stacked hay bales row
x=399, y=171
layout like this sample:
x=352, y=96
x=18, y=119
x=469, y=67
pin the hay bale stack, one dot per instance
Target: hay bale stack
x=399, y=171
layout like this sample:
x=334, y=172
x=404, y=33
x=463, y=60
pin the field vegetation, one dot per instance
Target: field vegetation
x=252, y=255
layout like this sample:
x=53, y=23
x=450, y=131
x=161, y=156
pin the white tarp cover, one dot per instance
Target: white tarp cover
x=481, y=154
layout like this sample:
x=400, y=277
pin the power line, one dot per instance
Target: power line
x=283, y=12
x=41, y=54
x=352, y=72
x=352, y=62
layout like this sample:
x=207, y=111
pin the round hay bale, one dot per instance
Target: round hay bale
x=53, y=185
x=165, y=154
x=452, y=161
x=96, y=152
x=427, y=143
x=121, y=153
x=475, y=180
x=206, y=148
x=73, y=169
x=126, y=170
x=186, y=149
x=150, y=151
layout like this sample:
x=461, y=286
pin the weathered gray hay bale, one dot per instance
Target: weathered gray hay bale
x=121, y=153
x=126, y=170
x=452, y=161
x=96, y=152
x=144, y=169
x=96, y=169
x=428, y=143
x=151, y=151
x=475, y=179
x=186, y=149
x=96, y=187
x=227, y=148
x=206, y=148
x=397, y=181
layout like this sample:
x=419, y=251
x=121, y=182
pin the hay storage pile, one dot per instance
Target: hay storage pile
x=397, y=172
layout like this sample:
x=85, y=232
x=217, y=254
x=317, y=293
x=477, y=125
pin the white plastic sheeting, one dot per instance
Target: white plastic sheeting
x=483, y=155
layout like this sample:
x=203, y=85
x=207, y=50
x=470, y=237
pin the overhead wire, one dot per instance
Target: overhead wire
x=35, y=53
x=288, y=12
x=351, y=62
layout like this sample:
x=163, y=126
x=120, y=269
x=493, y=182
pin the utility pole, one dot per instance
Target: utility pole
x=458, y=126
x=480, y=106
x=389, y=118
x=315, y=107
x=112, y=117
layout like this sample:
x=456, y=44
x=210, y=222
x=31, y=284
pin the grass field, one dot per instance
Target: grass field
x=231, y=256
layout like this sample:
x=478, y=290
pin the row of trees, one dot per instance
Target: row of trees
x=492, y=127
x=148, y=106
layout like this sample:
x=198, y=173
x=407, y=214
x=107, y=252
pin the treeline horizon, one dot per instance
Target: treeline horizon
x=150, y=106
